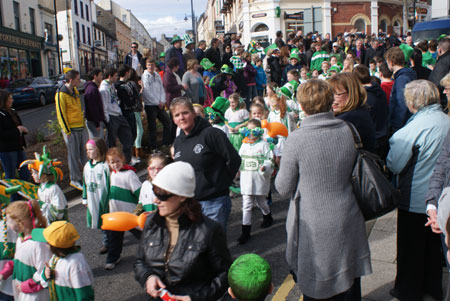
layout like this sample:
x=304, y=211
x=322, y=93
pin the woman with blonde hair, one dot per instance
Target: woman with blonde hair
x=350, y=105
x=194, y=81
x=348, y=65
x=445, y=82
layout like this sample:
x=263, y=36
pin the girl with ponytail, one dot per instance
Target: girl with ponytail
x=30, y=256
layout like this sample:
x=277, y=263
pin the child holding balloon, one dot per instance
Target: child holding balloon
x=156, y=162
x=96, y=178
x=123, y=196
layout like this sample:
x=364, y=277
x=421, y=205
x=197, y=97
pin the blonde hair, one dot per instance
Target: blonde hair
x=421, y=93
x=146, y=52
x=21, y=211
x=356, y=93
x=191, y=64
x=237, y=97
x=315, y=96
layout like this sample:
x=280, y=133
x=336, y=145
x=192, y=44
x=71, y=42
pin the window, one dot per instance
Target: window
x=84, y=33
x=89, y=35
x=261, y=27
x=48, y=31
x=32, y=22
x=81, y=9
x=16, y=16
x=360, y=25
x=1, y=17
x=124, y=18
x=75, y=6
x=77, y=25
x=383, y=26
x=87, y=12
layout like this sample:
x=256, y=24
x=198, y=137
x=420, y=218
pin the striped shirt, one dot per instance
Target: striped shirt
x=124, y=191
x=147, y=197
x=96, y=178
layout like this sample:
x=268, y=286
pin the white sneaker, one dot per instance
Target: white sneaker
x=77, y=185
x=111, y=266
x=135, y=160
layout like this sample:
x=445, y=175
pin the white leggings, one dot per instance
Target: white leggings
x=247, y=205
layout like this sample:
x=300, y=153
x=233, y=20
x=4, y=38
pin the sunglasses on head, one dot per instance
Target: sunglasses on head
x=162, y=197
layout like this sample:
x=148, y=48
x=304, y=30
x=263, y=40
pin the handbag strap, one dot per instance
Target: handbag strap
x=355, y=134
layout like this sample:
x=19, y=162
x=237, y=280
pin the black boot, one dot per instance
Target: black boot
x=245, y=235
x=267, y=221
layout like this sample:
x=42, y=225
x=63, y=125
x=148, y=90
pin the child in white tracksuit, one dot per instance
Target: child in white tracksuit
x=256, y=169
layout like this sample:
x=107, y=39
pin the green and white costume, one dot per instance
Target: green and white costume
x=52, y=201
x=6, y=254
x=147, y=197
x=74, y=279
x=124, y=192
x=29, y=262
x=274, y=116
x=235, y=118
x=96, y=178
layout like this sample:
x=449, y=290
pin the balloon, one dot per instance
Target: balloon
x=274, y=129
x=122, y=221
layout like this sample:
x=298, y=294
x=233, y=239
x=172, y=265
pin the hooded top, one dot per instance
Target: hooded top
x=212, y=156
x=398, y=111
x=68, y=109
x=379, y=110
x=93, y=110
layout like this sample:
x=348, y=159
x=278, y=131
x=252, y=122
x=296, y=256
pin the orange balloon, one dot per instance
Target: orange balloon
x=274, y=129
x=122, y=221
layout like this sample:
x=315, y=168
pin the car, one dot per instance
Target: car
x=39, y=90
x=60, y=79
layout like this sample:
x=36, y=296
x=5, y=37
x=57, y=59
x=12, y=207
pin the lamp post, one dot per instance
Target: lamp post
x=57, y=38
x=193, y=21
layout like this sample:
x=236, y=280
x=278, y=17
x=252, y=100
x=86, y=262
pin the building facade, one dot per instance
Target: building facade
x=50, y=62
x=21, y=40
x=108, y=23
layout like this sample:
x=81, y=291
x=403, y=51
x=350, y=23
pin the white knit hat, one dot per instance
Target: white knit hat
x=177, y=178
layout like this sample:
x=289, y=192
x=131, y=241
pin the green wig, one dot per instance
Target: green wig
x=250, y=277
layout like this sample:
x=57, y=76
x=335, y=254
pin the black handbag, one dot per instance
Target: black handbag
x=375, y=194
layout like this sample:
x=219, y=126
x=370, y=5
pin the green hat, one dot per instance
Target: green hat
x=206, y=64
x=287, y=90
x=188, y=40
x=250, y=277
x=294, y=84
x=335, y=68
x=294, y=56
x=226, y=69
x=442, y=36
x=218, y=107
x=407, y=51
x=162, y=54
x=176, y=39
x=294, y=50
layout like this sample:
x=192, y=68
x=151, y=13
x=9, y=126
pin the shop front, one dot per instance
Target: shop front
x=20, y=55
x=86, y=59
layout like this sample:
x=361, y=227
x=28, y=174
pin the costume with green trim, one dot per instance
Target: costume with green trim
x=96, y=181
x=125, y=190
x=235, y=118
x=147, y=197
x=317, y=58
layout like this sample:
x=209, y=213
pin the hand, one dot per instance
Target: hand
x=182, y=298
x=432, y=221
x=22, y=129
x=263, y=168
x=19, y=287
x=185, y=86
x=47, y=271
x=152, y=285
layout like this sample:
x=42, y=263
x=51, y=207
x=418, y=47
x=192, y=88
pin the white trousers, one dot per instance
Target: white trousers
x=247, y=205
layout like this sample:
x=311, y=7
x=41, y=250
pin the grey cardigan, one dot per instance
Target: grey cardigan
x=327, y=247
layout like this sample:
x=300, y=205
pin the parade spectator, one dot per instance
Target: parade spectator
x=133, y=58
x=416, y=65
x=249, y=78
x=146, y=53
x=350, y=105
x=378, y=108
x=327, y=215
x=176, y=52
x=427, y=59
x=213, y=53
x=179, y=220
x=116, y=123
x=189, y=46
x=414, y=150
x=227, y=56
x=359, y=50
x=318, y=57
x=294, y=64
x=71, y=120
x=134, y=83
x=127, y=98
x=398, y=111
x=442, y=66
x=409, y=41
x=93, y=105
x=171, y=83
x=200, y=51
x=261, y=78
x=445, y=82
x=154, y=100
x=194, y=81
x=12, y=139
x=214, y=159
x=279, y=39
x=337, y=51
x=386, y=80
x=275, y=68
x=373, y=51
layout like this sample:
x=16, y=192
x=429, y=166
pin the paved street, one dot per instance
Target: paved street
x=35, y=118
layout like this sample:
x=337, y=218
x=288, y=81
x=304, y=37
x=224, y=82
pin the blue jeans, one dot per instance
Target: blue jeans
x=218, y=209
x=11, y=162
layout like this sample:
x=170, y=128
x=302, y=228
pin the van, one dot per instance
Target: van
x=430, y=30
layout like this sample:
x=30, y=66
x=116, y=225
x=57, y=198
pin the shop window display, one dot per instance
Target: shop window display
x=5, y=74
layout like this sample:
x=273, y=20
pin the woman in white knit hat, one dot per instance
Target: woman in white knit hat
x=181, y=250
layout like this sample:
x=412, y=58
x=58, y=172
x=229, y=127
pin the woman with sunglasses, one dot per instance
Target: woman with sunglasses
x=181, y=250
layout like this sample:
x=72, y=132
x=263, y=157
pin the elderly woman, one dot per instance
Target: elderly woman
x=181, y=250
x=350, y=105
x=327, y=247
x=214, y=159
x=414, y=150
x=12, y=139
x=194, y=81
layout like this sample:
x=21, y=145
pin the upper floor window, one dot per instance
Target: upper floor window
x=16, y=16
x=48, y=31
x=87, y=12
x=75, y=6
x=32, y=22
x=77, y=25
x=83, y=31
x=81, y=9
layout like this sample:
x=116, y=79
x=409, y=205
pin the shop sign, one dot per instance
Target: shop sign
x=260, y=15
x=21, y=42
x=219, y=26
x=294, y=16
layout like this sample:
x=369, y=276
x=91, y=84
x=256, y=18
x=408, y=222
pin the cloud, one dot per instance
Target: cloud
x=168, y=25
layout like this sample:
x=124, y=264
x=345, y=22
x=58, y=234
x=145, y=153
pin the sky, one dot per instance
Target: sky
x=164, y=16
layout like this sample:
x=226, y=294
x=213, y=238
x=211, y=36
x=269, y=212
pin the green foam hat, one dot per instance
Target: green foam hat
x=218, y=107
x=176, y=39
x=226, y=69
x=287, y=91
x=335, y=68
x=162, y=54
x=294, y=56
x=206, y=63
x=407, y=51
x=294, y=84
x=188, y=40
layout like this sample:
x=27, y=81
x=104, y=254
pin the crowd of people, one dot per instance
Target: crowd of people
x=219, y=108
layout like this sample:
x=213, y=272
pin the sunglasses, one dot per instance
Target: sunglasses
x=162, y=197
x=133, y=47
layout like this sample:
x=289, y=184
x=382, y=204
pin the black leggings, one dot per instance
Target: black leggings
x=352, y=294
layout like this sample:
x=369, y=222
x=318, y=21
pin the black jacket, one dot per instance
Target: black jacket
x=379, y=110
x=275, y=69
x=212, y=156
x=214, y=56
x=10, y=138
x=128, y=97
x=129, y=59
x=440, y=70
x=198, y=266
x=371, y=53
x=362, y=55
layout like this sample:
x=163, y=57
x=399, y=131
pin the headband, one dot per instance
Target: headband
x=92, y=142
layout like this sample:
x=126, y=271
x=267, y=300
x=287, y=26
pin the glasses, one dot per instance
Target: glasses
x=162, y=197
x=133, y=47
x=447, y=89
x=340, y=94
